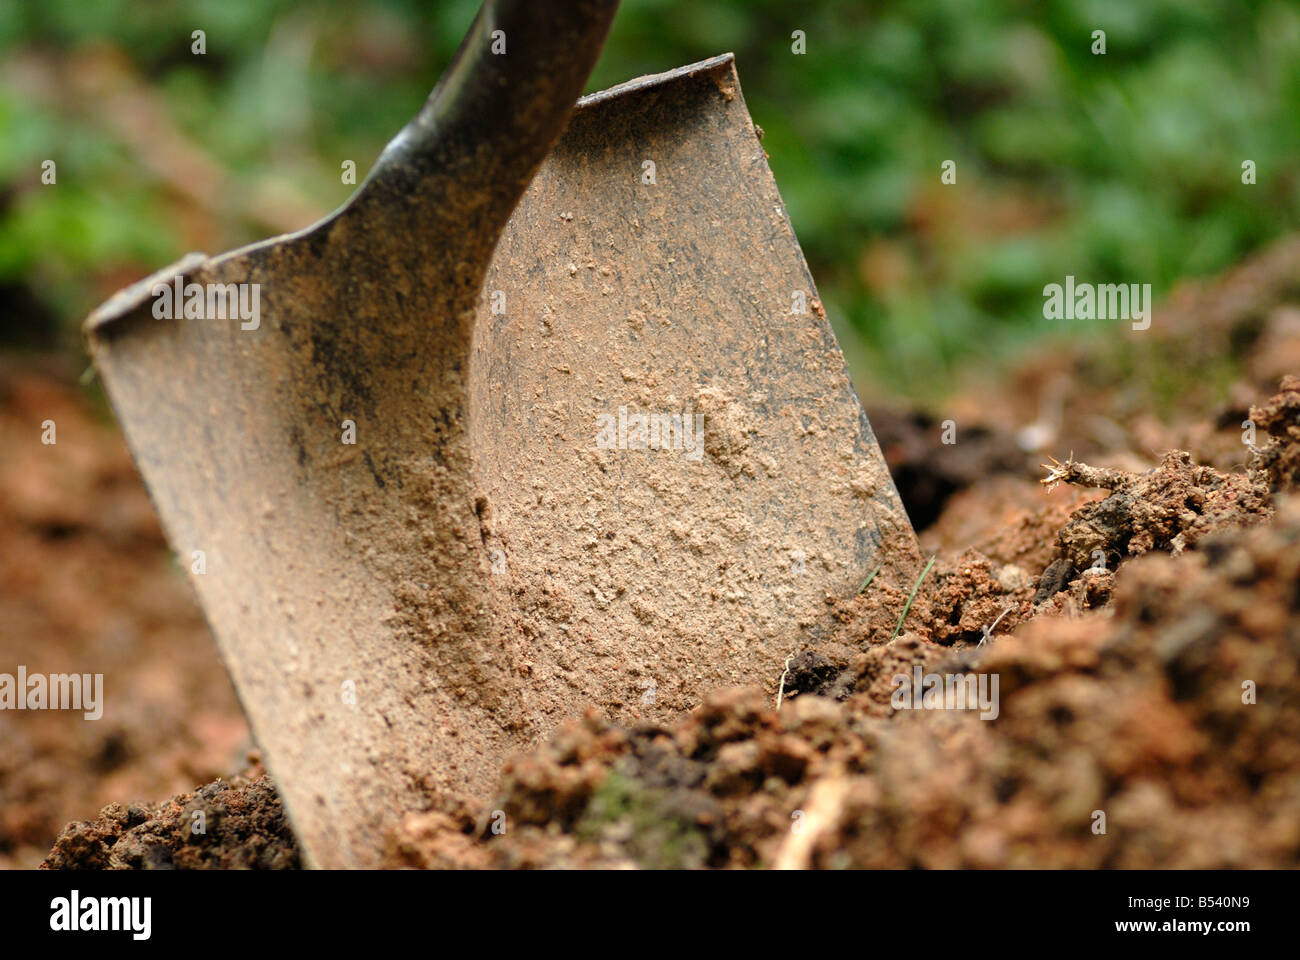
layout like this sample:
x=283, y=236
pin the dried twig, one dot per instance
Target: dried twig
x=1081, y=475
x=988, y=631
x=780, y=690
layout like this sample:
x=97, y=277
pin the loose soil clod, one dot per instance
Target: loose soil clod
x=1279, y=418
x=242, y=823
x=1167, y=509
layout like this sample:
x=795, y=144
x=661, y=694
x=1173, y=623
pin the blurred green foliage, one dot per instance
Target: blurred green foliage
x=1123, y=167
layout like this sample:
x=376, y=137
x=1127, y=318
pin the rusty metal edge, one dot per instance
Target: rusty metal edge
x=130, y=299
x=723, y=63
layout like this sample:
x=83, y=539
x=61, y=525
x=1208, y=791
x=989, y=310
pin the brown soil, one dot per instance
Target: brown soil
x=1136, y=711
x=1147, y=645
x=1279, y=460
x=226, y=825
x=87, y=584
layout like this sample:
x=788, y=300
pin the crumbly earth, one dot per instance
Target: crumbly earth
x=1279, y=460
x=226, y=825
x=1168, y=509
x=1142, y=618
x=1160, y=731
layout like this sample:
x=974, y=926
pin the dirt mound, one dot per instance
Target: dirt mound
x=1145, y=714
x=1172, y=724
x=1155, y=694
x=1156, y=688
x=226, y=825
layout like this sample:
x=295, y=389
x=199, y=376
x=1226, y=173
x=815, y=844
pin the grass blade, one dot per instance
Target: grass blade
x=912, y=596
